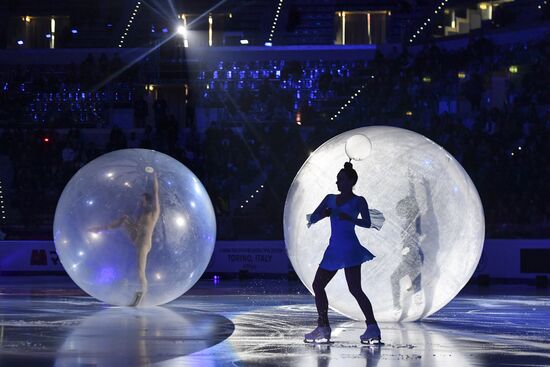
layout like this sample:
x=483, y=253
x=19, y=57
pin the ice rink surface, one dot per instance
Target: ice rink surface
x=48, y=321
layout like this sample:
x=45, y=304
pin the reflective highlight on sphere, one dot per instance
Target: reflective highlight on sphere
x=430, y=243
x=134, y=227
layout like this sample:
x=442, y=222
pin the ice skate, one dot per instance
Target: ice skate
x=418, y=298
x=137, y=299
x=372, y=335
x=397, y=312
x=321, y=335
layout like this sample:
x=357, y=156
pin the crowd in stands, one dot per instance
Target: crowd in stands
x=271, y=91
x=248, y=158
x=65, y=95
x=499, y=134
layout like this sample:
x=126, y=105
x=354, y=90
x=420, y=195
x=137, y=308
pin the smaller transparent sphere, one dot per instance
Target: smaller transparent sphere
x=134, y=227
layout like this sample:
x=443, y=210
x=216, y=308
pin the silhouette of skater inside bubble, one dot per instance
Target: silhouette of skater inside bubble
x=344, y=252
x=430, y=240
x=412, y=256
x=140, y=231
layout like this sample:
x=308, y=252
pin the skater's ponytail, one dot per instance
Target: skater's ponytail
x=350, y=172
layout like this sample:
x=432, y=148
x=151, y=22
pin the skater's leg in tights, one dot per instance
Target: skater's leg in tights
x=322, y=278
x=417, y=283
x=395, y=278
x=353, y=277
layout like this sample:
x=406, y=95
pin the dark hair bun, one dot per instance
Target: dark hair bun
x=350, y=172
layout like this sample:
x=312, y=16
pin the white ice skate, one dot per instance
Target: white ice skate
x=137, y=299
x=397, y=312
x=321, y=335
x=372, y=335
x=418, y=298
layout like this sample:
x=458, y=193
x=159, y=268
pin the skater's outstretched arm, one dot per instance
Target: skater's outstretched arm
x=364, y=221
x=156, y=201
x=321, y=212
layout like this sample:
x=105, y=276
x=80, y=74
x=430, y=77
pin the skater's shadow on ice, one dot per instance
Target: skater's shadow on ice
x=141, y=336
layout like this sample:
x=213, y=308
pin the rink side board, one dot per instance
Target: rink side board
x=501, y=258
x=29, y=258
x=254, y=257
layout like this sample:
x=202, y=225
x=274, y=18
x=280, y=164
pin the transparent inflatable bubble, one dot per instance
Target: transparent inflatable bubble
x=134, y=227
x=432, y=236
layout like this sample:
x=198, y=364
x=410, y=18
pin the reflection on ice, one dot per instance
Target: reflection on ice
x=414, y=343
x=140, y=337
x=261, y=323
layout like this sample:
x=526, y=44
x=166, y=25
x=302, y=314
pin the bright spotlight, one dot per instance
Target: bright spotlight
x=182, y=30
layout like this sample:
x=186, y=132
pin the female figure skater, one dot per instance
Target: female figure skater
x=140, y=231
x=344, y=251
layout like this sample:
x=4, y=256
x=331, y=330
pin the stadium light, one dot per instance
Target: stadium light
x=182, y=31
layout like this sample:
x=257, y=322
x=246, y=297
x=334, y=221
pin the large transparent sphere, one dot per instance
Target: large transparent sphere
x=432, y=237
x=116, y=245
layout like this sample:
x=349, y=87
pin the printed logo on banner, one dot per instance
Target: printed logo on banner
x=262, y=257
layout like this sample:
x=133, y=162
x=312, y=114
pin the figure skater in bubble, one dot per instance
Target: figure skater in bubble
x=412, y=256
x=344, y=252
x=430, y=241
x=140, y=231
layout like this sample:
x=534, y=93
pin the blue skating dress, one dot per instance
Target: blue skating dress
x=344, y=249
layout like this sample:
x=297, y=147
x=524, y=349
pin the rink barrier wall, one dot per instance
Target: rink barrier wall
x=514, y=259
x=504, y=259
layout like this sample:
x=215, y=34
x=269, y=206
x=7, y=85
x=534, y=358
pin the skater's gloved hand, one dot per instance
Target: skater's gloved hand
x=405, y=251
